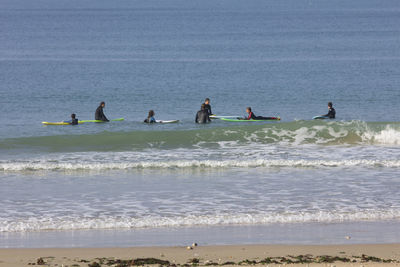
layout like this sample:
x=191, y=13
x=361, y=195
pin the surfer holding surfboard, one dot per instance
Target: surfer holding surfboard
x=331, y=113
x=150, y=119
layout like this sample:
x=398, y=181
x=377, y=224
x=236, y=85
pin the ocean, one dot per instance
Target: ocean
x=141, y=184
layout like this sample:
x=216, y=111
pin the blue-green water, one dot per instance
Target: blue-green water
x=282, y=58
x=286, y=58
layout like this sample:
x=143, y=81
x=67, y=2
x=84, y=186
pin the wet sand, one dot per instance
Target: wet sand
x=318, y=255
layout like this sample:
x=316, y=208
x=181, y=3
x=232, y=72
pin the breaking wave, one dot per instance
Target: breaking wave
x=291, y=133
x=65, y=166
x=301, y=144
x=108, y=222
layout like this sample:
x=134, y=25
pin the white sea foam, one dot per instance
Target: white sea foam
x=106, y=222
x=353, y=132
x=96, y=166
x=388, y=136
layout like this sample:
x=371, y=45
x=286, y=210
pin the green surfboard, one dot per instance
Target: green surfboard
x=120, y=119
x=237, y=120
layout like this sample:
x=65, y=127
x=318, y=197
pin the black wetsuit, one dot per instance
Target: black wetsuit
x=74, y=122
x=202, y=117
x=331, y=114
x=265, y=118
x=252, y=116
x=99, y=115
x=207, y=107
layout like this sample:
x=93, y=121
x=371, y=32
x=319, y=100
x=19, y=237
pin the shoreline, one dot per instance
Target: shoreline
x=228, y=255
x=380, y=232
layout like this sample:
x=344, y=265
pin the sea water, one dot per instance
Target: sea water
x=282, y=58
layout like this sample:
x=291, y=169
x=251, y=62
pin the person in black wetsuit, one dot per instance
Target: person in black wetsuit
x=207, y=106
x=73, y=121
x=332, y=112
x=202, y=115
x=99, y=115
x=252, y=116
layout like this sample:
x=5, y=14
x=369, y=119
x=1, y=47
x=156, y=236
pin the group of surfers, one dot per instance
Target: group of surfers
x=98, y=115
x=202, y=116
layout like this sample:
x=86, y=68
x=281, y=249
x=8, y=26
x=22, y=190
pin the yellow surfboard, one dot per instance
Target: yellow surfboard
x=79, y=121
x=58, y=123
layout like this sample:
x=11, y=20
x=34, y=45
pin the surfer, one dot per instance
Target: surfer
x=331, y=111
x=150, y=118
x=252, y=116
x=99, y=115
x=208, y=106
x=202, y=115
x=73, y=121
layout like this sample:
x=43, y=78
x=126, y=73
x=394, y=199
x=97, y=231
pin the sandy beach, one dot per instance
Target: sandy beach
x=268, y=255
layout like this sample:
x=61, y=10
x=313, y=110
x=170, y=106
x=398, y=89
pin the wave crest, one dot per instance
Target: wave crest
x=71, y=223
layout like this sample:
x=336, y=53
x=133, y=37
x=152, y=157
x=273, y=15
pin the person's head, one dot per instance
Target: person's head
x=103, y=104
x=248, y=109
x=203, y=106
x=207, y=101
x=151, y=113
x=330, y=105
x=73, y=116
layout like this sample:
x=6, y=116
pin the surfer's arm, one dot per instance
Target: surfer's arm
x=103, y=117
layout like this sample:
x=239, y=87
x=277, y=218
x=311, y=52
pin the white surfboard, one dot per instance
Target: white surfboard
x=167, y=121
x=226, y=117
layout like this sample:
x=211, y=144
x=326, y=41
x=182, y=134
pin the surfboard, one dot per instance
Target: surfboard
x=237, y=120
x=58, y=123
x=119, y=119
x=79, y=121
x=320, y=117
x=220, y=117
x=167, y=121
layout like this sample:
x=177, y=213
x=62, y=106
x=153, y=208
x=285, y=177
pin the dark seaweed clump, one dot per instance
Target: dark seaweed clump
x=128, y=263
x=300, y=259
